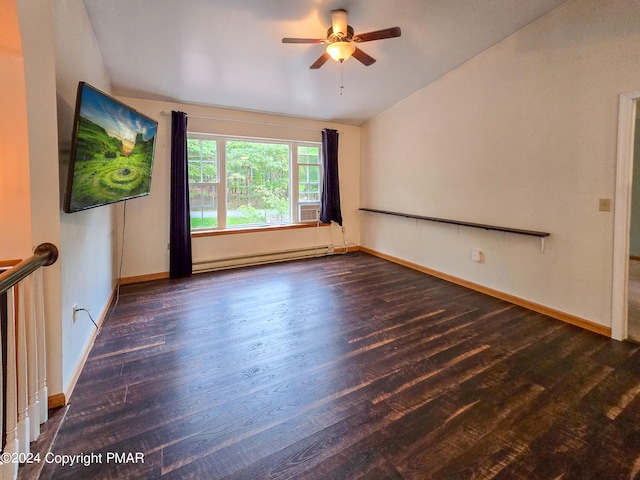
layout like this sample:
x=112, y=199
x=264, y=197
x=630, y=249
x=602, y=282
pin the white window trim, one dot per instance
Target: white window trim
x=222, y=177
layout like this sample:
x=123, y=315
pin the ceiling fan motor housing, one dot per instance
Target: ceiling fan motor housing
x=340, y=37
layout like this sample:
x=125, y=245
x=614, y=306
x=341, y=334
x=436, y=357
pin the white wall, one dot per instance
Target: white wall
x=147, y=219
x=15, y=203
x=524, y=136
x=56, y=58
x=87, y=237
x=37, y=31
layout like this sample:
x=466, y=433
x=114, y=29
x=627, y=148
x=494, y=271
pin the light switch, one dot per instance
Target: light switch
x=605, y=205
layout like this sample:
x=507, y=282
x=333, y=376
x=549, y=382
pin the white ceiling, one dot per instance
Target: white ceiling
x=229, y=53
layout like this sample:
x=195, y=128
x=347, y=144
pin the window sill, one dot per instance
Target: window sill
x=270, y=228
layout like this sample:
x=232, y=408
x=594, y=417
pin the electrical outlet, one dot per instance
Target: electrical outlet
x=476, y=255
x=75, y=312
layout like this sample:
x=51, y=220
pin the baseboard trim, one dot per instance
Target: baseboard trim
x=550, y=312
x=263, y=258
x=57, y=400
x=144, y=278
x=66, y=395
x=343, y=250
x=235, y=263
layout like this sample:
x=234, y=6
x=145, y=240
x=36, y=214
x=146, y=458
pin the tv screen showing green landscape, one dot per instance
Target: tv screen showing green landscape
x=111, y=154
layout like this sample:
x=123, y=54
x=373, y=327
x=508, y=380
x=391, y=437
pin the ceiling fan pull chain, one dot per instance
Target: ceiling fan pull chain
x=341, y=78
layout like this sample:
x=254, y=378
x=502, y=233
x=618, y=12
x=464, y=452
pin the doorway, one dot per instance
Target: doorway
x=633, y=285
x=620, y=307
x=633, y=289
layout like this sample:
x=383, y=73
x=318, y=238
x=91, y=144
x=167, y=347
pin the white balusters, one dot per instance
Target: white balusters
x=26, y=381
x=10, y=469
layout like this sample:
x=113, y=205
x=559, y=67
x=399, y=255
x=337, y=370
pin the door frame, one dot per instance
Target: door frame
x=622, y=214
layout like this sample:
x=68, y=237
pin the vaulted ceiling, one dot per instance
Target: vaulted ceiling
x=229, y=53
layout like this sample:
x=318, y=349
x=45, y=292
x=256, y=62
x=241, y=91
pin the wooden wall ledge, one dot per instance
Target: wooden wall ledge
x=518, y=231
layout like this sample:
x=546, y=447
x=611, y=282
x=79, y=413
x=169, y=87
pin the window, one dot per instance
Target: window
x=202, y=155
x=308, y=173
x=256, y=178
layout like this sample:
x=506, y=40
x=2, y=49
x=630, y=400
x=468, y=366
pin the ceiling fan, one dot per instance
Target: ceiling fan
x=342, y=41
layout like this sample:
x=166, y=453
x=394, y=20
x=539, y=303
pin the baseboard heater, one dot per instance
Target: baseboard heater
x=262, y=258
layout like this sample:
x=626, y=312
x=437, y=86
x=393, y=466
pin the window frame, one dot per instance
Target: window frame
x=298, y=166
x=221, y=184
x=220, y=171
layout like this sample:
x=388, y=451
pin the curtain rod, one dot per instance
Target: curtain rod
x=250, y=122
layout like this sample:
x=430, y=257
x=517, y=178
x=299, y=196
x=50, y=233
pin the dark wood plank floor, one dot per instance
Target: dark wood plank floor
x=347, y=367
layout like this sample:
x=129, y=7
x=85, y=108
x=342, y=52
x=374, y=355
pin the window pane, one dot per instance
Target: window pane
x=309, y=155
x=302, y=154
x=195, y=171
x=203, y=201
x=303, y=176
x=203, y=160
x=209, y=171
x=309, y=179
x=203, y=171
x=314, y=174
x=257, y=183
x=309, y=193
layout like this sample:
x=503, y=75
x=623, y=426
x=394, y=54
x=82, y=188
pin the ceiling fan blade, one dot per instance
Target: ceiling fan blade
x=378, y=35
x=303, y=40
x=363, y=57
x=320, y=61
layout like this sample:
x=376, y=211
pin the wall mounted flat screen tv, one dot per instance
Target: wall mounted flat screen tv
x=111, y=152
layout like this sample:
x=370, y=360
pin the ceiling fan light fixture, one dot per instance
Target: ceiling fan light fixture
x=341, y=51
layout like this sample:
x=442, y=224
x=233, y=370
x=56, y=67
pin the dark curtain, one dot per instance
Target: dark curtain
x=330, y=197
x=180, y=228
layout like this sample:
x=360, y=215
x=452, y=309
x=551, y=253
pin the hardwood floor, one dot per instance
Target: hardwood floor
x=347, y=367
